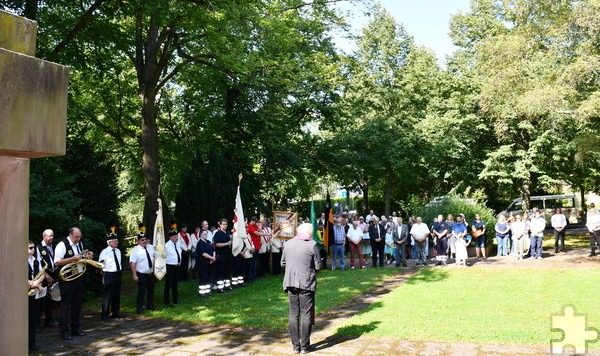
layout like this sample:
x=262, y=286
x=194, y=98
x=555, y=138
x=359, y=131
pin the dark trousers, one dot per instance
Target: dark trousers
x=251, y=267
x=559, y=236
x=377, y=252
x=302, y=303
x=400, y=254
x=183, y=266
x=594, y=241
x=111, y=295
x=276, y=259
x=70, y=306
x=263, y=264
x=34, y=316
x=205, y=273
x=171, y=282
x=146, y=284
x=239, y=265
x=323, y=253
x=223, y=266
x=47, y=305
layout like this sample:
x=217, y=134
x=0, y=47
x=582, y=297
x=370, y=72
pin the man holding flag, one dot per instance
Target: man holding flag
x=318, y=235
x=238, y=235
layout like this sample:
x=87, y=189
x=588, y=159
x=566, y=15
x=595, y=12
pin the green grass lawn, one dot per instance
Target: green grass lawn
x=483, y=305
x=261, y=304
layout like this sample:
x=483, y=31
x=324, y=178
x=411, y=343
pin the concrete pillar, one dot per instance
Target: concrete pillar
x=33, y=111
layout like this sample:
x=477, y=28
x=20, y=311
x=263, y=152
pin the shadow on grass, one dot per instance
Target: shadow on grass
x=428, y=275
x=345, y=333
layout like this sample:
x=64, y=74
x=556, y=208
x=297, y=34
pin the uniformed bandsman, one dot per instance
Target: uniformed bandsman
x=141, y=262
x=46, y=253
x=173, y=260
x=111, y=277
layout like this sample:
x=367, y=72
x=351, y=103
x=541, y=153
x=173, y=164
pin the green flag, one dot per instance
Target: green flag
x=313, y=219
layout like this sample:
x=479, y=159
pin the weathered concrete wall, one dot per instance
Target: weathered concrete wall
x=33, y=113
x=17, y=34
x=33, y=106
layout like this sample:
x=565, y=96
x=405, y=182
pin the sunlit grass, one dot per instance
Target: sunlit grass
x=506, y=306
x=261, y=304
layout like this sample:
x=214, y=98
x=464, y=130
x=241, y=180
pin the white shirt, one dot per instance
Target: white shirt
x=108, y=258
x=518, y=229
x=593, y=220
x=537, y=226
x=276, y=244
x=61, y=250
x=209, y=235
x=139, y=258
x=30, y=259
x=354, y=234
x=184, y=246
x=44, y=244
x=369, y=218
x=558, y=220
x=419, y=231
x=172, y=249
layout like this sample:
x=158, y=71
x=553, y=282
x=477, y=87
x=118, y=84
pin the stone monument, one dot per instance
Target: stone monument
x=33, y=112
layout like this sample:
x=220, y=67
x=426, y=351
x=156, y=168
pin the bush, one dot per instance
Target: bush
x=454, y=205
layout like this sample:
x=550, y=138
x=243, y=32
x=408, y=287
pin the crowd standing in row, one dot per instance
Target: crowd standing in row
x=207, y=253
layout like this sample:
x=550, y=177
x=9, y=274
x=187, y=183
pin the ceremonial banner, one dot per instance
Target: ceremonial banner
x=313, y=219
x=160, y=264
x=328, y=228
x=239, y=227
x=284, y=224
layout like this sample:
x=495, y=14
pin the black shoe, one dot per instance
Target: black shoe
x=152, y=307
x=51, y=324
x=139, y=311
x=397, y=265
x=404, y=265
x=106, y=318
x=592, y=255
x=66, y=335
x=78, y=332
x=177, y=302
x=170, y=304
x=34, y=348
x=118, y=315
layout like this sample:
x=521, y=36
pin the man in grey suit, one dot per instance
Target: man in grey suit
x=400, y=236
x=301, y=260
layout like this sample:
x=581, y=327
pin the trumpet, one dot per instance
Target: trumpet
x=31, y=291
x=72, y=271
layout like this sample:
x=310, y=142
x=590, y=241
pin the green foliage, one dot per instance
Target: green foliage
x=455, y=205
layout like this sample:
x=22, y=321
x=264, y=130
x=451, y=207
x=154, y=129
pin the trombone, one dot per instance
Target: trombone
x=72, y=271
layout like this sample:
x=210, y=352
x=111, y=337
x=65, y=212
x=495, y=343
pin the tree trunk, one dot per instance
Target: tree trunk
x=348, y=198
x=365, y=189
x=388, y=191
x=31, y=9
x=150, y=168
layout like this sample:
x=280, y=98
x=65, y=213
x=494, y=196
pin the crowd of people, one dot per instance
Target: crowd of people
x=207, y=254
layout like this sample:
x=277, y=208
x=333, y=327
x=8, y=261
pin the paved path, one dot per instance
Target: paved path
x=142, y=335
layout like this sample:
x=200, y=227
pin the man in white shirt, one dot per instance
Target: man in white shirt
x=420, y=232
x=355, y=236
x=593, y=226
x=371, y=216
x=67, y=251
x=209, y=234
x=559, y=224
x=173, y=260
x=141, y=262
x=111, y=277
x=537, y=226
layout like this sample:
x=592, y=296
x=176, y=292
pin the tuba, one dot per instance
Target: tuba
x=32, y=290
x=72, y=271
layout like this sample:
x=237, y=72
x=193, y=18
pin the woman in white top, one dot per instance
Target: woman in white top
x=519, y=232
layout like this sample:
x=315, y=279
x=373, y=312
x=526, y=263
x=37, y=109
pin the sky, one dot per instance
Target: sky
x=426, y=20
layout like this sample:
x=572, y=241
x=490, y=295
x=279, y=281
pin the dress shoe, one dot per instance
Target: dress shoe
x=152, y=307
x=78, y=332
x=170, y=304
x=51, y=324
x=34, y=348
x=106, y=318
x=118, y=315
x=66, y=335
x=139, y=311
